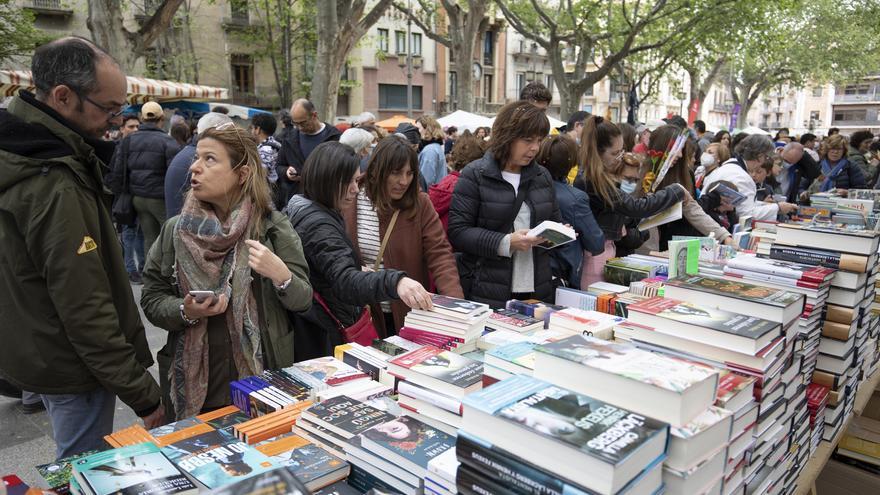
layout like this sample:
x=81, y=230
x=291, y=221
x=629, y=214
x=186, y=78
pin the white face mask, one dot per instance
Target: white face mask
x=707, y=160
x=628, y=186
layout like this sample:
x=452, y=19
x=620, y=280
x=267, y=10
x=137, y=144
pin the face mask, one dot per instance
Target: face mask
x=628, y=186
x=707, y=160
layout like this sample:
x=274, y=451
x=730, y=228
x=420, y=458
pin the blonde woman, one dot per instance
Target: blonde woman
x=247, y=263
x=432, y=159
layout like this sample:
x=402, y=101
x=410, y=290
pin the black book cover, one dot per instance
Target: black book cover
x=349, y=415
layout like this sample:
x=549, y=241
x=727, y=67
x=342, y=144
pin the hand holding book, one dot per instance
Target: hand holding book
x=520, y=240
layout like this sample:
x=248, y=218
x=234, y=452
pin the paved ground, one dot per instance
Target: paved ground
x=26, y=440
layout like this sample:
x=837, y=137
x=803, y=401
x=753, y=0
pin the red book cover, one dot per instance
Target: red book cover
x=427, y=334
x=817, y=394
x=730, y=384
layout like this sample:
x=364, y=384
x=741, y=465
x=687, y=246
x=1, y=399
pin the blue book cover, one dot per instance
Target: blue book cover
x=216, y=458
x=134, y=470
x=598, y=429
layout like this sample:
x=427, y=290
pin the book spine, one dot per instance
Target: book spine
x=471, y=482
x=521, y=476
x=828, y=259
x=447, y=404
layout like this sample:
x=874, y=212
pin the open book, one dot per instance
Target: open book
x=668, y=215
x=555, y=233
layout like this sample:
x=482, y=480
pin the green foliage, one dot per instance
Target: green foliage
x=17, y=31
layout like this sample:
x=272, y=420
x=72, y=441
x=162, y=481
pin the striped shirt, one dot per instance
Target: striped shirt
x=368, y=236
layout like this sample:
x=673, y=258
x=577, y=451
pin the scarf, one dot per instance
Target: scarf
x=425, y=142
x=212, y=255
x=831, y=174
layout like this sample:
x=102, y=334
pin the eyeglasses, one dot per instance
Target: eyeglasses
x=110, y=113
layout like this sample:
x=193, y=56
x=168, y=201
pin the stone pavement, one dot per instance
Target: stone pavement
x=26, y=440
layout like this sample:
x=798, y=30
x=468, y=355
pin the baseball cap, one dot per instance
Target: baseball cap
x=151, y=110
x=409, y=131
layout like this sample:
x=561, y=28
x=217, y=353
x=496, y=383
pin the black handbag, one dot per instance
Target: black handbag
x=122, y=210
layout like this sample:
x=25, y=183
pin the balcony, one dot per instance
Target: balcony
x=53, y=8
x=856, y=123
x=872, y=97
x=238, y=20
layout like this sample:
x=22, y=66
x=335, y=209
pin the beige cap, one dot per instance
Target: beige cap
x=151, y=110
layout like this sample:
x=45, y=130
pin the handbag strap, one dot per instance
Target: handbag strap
x=385, y=240
x=323, y=304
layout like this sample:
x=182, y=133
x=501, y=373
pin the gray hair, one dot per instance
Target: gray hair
x=793, y=146
x=364, y=118
x=69, y=61
x=211, y=120
x=755, y=145
x=357, y=139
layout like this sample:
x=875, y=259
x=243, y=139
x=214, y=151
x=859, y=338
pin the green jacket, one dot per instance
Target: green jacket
x=856, y=157
x=161, y=297
x=70, y=323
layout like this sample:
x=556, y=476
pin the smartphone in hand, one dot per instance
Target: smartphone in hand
x=202, y=295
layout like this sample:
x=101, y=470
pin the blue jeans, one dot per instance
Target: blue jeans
x=133, y=245
x=28, y=398
x=80, y=421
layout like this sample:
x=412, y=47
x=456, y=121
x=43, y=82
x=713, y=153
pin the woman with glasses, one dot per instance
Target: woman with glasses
x=558, y=154
x=497, y=200
x=222, y=278
x=600, y=154
x=837, y=171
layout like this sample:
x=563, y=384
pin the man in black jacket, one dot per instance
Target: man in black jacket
x=144, y=157
x=799, y=170
x=307, y=133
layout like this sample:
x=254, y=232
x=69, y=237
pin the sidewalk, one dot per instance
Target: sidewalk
x=26, y=440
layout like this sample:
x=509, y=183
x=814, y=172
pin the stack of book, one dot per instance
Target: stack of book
x=593, y=323
x=534, y=308
x=328, y=377
x=517, y=358
x=399, y=451
x=269, y=425
x=333, y=422
x=138, y=468
x=523, y=435
x=442, y=474
x=313, y=466
x=267, y=393
x=762, y=235
x=432, y=383
x=370, y=360
x=744, y=344
x=509, y=320
x=817, y=400
x=453, y=324
x=697, y=454
x=624, y=271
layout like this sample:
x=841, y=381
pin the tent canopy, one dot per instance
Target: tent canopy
x=392, y=123
x=464, y=121
x=140, y=89
x=754, y=130
x=200, y=108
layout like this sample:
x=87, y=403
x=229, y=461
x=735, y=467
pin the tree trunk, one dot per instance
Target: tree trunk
x=108, y=32
x=464, y=60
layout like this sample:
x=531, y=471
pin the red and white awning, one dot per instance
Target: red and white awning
x=140, y=89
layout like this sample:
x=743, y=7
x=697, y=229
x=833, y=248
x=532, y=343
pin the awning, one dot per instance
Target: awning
x=392, y=123
x=464, y=121
x=199, y=108
x=140, y=89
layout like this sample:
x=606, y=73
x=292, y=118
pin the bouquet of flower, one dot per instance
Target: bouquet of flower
x=662, y=161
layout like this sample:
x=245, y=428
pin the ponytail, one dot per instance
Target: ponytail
x=596, y=137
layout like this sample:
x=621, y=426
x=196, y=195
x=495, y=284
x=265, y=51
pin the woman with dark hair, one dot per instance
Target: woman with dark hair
x=723, y=137
x=558, y=154
x=230, y=242
x=390, y=208
x=629, y=136
x=694, y=221
x=498, y=261
x=600, y=154
x=181, y=133
x=330, y=185
x=467, y=148
x=482, y=133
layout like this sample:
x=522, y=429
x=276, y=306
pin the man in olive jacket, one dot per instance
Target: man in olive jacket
x=70, y=326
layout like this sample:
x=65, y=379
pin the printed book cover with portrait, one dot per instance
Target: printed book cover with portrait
x=216, y=458
x=408, y=438
x=596, y=428
x=443, y=365
x=627, y=361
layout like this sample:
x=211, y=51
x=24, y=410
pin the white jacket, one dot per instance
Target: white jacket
x=733, y=173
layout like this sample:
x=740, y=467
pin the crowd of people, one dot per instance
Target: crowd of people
x=258, y=247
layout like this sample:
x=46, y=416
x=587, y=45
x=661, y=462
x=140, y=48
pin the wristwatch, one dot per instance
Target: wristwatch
x=186, y=320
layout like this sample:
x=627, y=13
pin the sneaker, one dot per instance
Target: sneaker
x=33, y=408
x=9, y=390
x=135, y=278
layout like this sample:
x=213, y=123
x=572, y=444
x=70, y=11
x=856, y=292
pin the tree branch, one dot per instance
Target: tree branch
x=154, y=27
x=373, y=16
x=430, y=33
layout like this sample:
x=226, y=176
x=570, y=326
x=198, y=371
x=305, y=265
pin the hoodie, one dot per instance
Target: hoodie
x=64, y=285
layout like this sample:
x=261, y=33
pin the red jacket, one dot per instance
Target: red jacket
x=441, y=197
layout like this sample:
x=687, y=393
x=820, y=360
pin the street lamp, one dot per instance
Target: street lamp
x=680, y=95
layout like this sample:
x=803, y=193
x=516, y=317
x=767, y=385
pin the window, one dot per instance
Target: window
x=487, y=87
x=242, y=73
x=239, y=10
x=453, y=84
x=416, y=44
x=489, y=48
x=400, y=45
x=393, y=97
x=548, y=81
x=817, y=92
x=856, y=89
x=451, y=55
x=522, y=46
x=850, y=115
x=814, y=116
x=383, y=40
x=520, y=82
x=587, y=108
x=589, y=91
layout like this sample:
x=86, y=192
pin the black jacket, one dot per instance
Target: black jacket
x=806, y=171
x=479, y=218
x=150, y=151
x=612, y=218
x=335, y=273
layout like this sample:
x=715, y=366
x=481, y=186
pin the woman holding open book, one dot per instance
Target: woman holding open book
x=600, y=154
x=222, y=277
x=498, y=258
x=393, y=225
x=343, y=288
